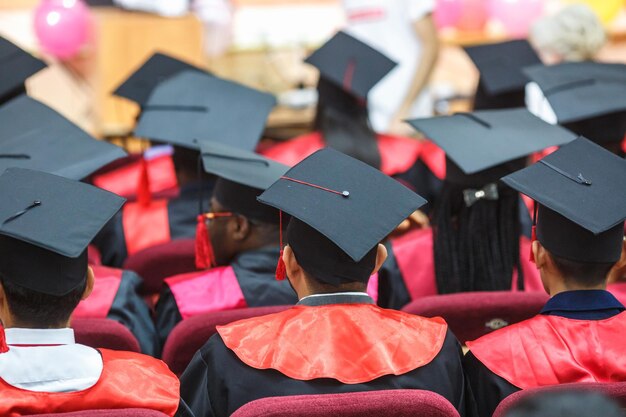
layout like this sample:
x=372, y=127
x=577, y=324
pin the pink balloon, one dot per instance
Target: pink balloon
x=62, y=26
x=473, y=15
x=447, y=13
x=516, y=16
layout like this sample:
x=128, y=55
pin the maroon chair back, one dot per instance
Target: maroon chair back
x=473, y=314
x=162, y=261
x=615, y=390
x=191, y=334
x=122, y=412
x=104, y=333
x=390, y=403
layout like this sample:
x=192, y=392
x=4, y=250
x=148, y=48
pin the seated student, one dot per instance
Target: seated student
x=238, y=243
x=578, y=337
x=588, y=98
x=348, y=70
x=35, y=136
x=46, y=224
x=16, y=66
x=335, y=339
x=182, y=110
x=476, y=242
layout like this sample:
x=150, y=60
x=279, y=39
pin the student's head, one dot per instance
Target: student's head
x=23, y=301
x=566, y=403
x=573, y=34
x=239, y=222
x=607, y=130
x=186, y=166
x=476, y=230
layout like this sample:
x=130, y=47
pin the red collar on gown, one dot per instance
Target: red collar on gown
x=352, y=343
x=550, y=350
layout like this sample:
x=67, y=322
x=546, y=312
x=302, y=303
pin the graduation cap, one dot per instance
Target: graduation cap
x=485, y=145
x=341, y=209
x=243, y=176
x=500, y=65
x=151, y=73
x=46, y=223
x=190, y=107
x=32, y=135
x=351, y=64
x=581, y=198
x=587, y=97
x=16, y=65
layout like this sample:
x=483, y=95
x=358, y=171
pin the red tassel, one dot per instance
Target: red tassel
x=144, y=196
x=204, y=250
x=533, y=237
x=3, y=341
x=281, y=269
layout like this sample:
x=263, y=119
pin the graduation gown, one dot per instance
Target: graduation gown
x=249, y=281
x=345, y=337
x=115, y=296
x=137, y=227
x=578, y=337
x=419, y=164
x=409, y=271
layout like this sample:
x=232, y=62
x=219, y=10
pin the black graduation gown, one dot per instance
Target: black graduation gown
x=216, y=382
x=487, y=390
x=182, y=213
x=255, y=272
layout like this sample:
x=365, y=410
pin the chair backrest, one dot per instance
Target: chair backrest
x=473, y=314
x=122, y=412
x=615, y=390
x=104, y=333
x=158, y=262
x=191, y=334
x=389, y=403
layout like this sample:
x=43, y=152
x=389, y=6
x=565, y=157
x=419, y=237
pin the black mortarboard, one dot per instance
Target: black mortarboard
x=500, y=65
x=32, y=135
x=156, y=69
x=351, y=64
x=582, y=203
x=587, y=97
x=341, y=209
x=191, y=107
x=485, y=140
x=243, y=176
x=16, y=65
x=46, y=223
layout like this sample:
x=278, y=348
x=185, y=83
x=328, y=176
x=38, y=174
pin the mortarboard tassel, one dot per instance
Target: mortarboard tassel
x=533, y=235
x=144, y=196
x=281, y=269
x=3, y=341
x=204, y=250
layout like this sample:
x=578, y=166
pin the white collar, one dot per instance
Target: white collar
x=353, y=293
x=19, y=336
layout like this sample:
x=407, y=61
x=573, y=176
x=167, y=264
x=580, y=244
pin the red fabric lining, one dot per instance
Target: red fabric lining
x=98, y=304
x=145, y=226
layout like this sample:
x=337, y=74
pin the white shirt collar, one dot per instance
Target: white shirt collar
x=19, y=336
x=357, y=293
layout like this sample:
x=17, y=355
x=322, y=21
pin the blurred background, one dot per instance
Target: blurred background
x=92, y=46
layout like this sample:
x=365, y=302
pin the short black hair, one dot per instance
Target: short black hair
x=38, y=310
x=320, y=287
x=586, y=274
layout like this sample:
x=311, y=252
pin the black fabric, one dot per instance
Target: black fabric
x=131, y=310
x=608, y=128
x=424, y=182
x=242, y=199
x=485, y=101
x=455, y=175
x=392, y=290
x=216, y=382
x=167, y=315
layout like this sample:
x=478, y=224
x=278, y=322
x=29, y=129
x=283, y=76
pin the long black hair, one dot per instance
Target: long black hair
x=343, y=120
x=476, y=248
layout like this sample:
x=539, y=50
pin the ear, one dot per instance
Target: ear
x=539, y=254
x=381, y=256
x=295, y=273
x=241, y=227
x=91, y=279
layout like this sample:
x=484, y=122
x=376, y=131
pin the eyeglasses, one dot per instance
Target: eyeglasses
x=215, y=215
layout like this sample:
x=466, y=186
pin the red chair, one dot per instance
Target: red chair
x=616, y=391
x=161, y=261
x=391, y=403
x=122, y=412
x=191, y=334
x=474, y=314
x=104, y=333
